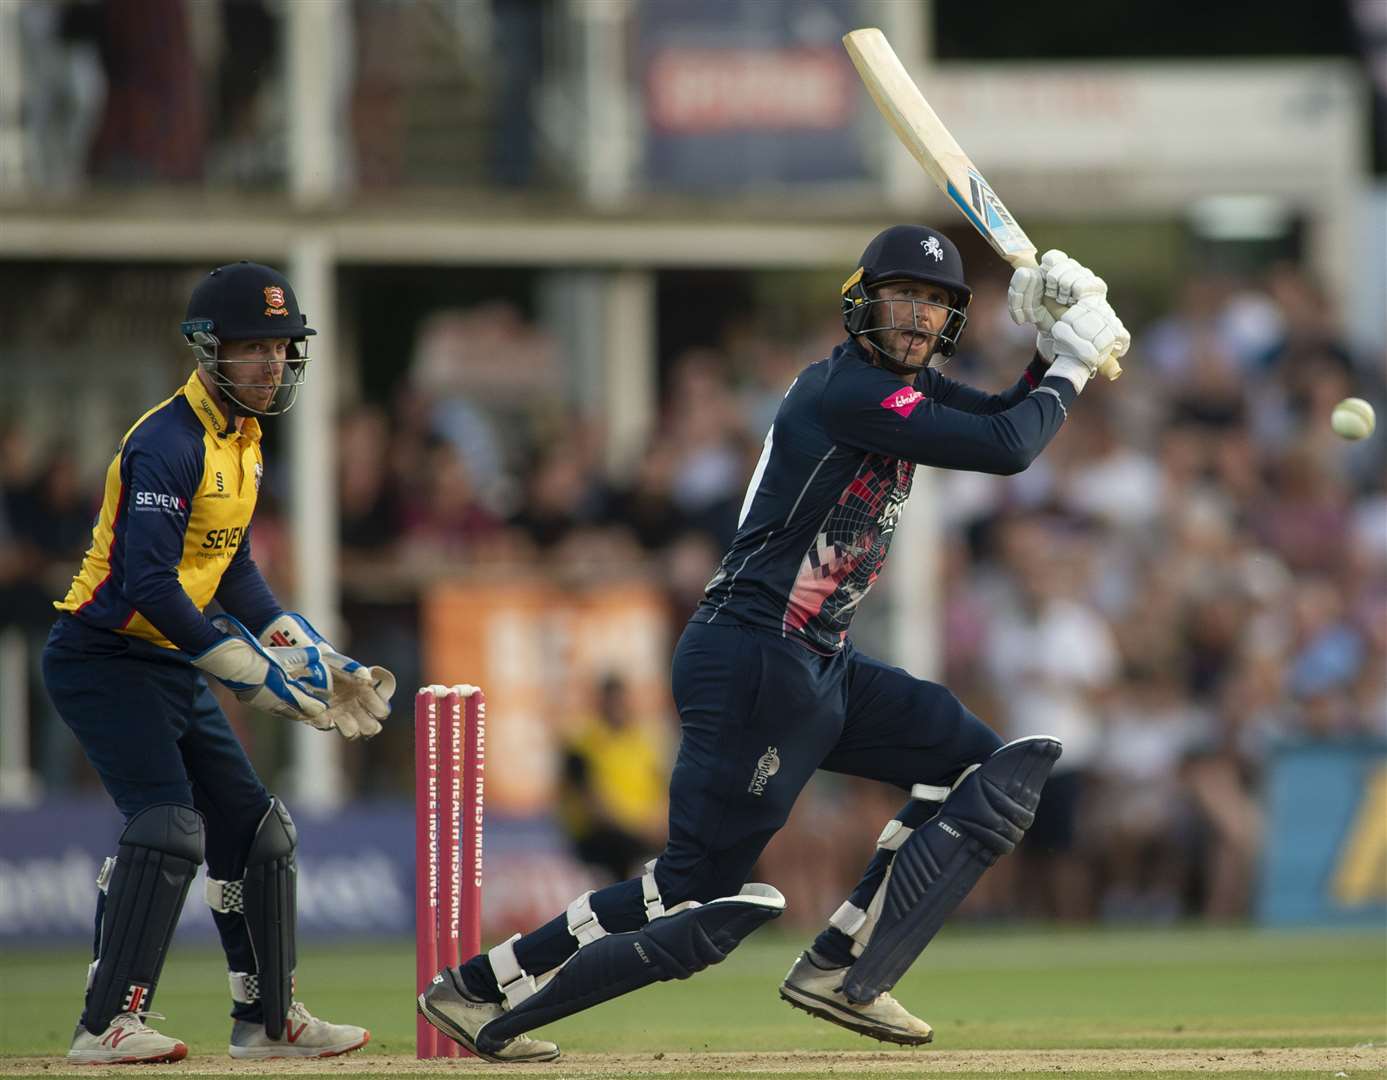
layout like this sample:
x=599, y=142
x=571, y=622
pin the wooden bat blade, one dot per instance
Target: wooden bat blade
x=918, y=126
x=922, y=132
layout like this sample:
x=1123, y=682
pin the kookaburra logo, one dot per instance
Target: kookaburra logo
x=766, y=767
x=931, y=246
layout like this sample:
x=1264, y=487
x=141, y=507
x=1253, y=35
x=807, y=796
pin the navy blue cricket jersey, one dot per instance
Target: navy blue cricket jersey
x=823, y=502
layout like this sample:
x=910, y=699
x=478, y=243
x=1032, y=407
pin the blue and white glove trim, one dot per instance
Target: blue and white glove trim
x=360, y=697
x=294, y=683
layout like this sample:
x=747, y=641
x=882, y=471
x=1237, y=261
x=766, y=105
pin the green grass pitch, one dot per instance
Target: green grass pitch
x=1000, y=991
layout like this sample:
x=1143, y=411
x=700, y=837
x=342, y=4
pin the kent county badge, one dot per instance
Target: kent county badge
x=274, y=300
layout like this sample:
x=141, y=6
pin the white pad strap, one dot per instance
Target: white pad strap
x=893, y=835
x=226, y=897
x=929, y=792
x=582, y=921
x=515, y=982
x=91, y=972
x=848, y=918
x=654, y=906
x=245, y=987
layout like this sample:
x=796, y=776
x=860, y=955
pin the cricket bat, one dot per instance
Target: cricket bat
x=939, y=154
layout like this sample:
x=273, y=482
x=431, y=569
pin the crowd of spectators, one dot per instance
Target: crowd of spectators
x=1195, y=570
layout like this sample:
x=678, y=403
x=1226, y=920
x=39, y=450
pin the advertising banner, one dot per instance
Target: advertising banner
x=741, y=93
x=1325, y=841
x=356, y=873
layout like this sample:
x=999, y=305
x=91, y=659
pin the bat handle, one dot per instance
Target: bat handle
x=1108, y=365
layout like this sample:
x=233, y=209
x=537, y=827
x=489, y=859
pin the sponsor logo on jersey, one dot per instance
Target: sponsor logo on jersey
x=766, y=767
x=274, y=301
x=903, y=401
x=159, y=502
x=223, y=539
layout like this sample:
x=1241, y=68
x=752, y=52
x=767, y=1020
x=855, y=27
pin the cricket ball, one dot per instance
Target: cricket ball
x=1353, y=418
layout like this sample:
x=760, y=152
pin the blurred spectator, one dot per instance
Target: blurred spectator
x=369, y=502
x=702, y=420
x=614, y=778
x=447, y=518
x=562, y=493
x=1307, y=521
x=1141, y=811
x=154, y=128
x=645, y=504
x=1052, y=657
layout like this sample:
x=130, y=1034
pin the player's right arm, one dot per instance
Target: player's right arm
x=158, y=488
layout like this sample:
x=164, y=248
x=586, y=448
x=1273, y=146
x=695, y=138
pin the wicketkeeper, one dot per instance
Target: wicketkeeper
x=769, y=688
x=126, y=665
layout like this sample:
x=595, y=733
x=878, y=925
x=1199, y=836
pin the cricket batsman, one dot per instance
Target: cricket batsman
x=769, y=687
x=127, y=662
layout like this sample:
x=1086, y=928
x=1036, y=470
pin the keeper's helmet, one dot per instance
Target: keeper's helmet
x=906, y=253
x=245, y=301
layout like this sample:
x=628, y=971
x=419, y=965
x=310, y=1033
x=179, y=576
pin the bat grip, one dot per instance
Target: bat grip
x=1108, y=365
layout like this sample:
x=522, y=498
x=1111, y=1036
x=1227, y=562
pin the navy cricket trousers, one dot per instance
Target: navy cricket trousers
x=759, y=713
x=151, y=728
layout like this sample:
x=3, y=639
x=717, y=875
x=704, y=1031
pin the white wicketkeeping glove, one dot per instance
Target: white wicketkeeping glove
x=1086, y=333
x=1058, y=278
x=261, y=677
x=360, y=697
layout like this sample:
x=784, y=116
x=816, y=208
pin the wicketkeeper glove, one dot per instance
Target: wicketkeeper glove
x=261, y=677
x=1058, y=278
x=1086, y=333
x=360, y=696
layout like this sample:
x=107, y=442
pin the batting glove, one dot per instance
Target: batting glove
x=1059, y=280
x=261, y=677
x=360, y=697
x=1089, y=331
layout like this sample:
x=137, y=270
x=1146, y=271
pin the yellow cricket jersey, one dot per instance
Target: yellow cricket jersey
x=174, y=523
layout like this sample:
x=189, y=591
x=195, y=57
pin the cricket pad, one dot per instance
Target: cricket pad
x=673, y=946
x=940, y=862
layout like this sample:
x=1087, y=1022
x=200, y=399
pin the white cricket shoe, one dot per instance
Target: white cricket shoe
x=127, y=1040
x=460, y=1016
x=819, y=992
x=305, y=1036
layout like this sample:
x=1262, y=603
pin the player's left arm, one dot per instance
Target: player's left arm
x=965, y=398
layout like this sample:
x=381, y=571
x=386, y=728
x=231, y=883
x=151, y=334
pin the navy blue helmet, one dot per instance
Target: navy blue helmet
x=245, y=301
x=906, y=253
